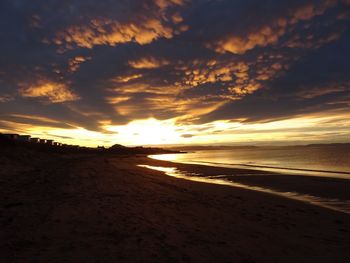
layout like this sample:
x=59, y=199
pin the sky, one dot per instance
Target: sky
x=156, y=72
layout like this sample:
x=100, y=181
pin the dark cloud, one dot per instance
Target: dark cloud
x=187, y=135
x=87, y=63
x=318, y=82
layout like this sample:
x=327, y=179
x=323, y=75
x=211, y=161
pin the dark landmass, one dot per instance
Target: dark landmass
x=207, y=147
x=120, y=149
x=17, y=146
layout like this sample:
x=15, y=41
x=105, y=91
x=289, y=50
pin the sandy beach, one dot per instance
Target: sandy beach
x=90, y=208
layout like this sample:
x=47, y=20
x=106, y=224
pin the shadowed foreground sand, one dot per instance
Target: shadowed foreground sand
x=106, y=209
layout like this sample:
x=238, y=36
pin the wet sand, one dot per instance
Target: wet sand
x=332, y=191
x=107, y=209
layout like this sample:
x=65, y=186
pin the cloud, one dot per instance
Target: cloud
x=239, y=45
x=127, y=78
x=106, y=32
x=313, y=84
x=163, y=4
x=187, y=135
x=88, y=63
x=148, y=23
x=270, y=31
x=5, y=98
x=52, y=91
x=74, y=63
x=148, y=63
x=34, y=120
x=311, y=93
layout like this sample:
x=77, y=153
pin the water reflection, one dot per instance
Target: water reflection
x=333, y=204
x=174, y=172
x=225, y=160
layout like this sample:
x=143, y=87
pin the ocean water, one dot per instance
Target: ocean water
x=319, y=175
x=324, y=160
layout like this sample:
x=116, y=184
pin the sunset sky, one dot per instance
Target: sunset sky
x=148, y=72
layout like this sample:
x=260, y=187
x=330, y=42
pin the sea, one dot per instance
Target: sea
x=317, y=174
x=319, y=160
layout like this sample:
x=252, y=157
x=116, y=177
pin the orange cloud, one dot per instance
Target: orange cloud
x=202, y=72
x=267, y=34
x=74, y=63
x=117, y=100
x=139, y=86
x=126, y=78
x=52, y=91
x=165, y=100
x=304, y=13
x=311, y=41
x=165, y=103
x=163, y=4
x=246, y=89
x=109, y=32
x=309, y=11
x=232, y=80
x=236, y=74
x=148, y=63
x=177, y=18
x=239, y=45
x=141, y=29
x=320, y=91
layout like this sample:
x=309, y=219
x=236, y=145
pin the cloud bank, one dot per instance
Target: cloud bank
x=86, y=64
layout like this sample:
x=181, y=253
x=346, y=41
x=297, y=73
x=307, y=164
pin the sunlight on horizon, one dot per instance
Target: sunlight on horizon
x=168, y=132
x=148, y=131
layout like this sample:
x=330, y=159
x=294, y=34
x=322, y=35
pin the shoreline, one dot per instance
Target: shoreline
x=276, y=168
x=328, y=192
x=104, y=208
x=233, y=160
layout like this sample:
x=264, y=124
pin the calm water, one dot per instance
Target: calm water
x=319, y=175
x=332, y=161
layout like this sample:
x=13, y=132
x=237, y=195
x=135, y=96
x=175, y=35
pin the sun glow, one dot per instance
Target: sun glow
x=166, y=132
x=145, y=132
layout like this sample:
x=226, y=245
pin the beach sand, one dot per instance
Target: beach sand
x=107, y=209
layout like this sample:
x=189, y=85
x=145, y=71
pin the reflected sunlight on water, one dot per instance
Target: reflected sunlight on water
x=296, y=161
x=333, y=204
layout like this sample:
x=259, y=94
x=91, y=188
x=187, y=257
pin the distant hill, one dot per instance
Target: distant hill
x=120, y=149
x=207, y=148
